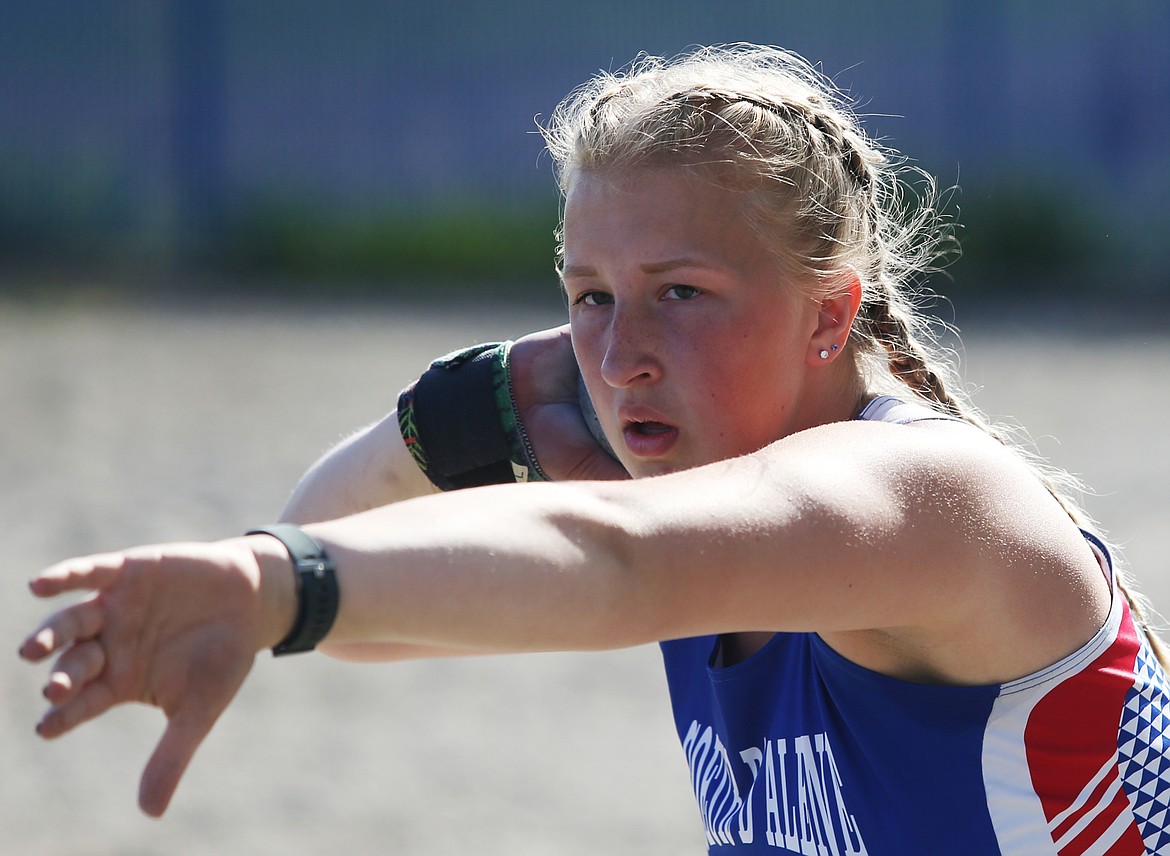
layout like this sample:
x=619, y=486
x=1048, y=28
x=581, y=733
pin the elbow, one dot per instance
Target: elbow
x=608, y=598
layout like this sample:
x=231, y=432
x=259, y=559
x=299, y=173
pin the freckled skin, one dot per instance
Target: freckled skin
x=677, y=306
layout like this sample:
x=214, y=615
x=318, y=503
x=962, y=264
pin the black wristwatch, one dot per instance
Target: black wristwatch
x=317, y=592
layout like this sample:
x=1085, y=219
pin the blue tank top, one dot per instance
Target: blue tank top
x=798, y=750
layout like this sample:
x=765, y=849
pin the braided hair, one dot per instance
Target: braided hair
x=829, y=202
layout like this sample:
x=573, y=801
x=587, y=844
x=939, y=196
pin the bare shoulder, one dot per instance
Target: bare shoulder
x=1006, y=583
x=945, y=469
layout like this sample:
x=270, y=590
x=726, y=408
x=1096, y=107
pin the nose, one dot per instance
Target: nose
x=631, y=350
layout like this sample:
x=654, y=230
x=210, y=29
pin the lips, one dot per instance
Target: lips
x=650, y=427
x=647, y=437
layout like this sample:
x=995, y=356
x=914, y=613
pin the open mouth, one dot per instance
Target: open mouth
x=649, y=428
x=649, y=439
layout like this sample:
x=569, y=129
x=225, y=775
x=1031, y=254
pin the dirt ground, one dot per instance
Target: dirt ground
x=128, y=424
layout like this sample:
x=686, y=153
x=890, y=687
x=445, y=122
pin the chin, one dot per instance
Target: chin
x=644, y=469
x=640, y=469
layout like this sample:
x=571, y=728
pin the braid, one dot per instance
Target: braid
x=912, y=358
x=847, y=144
x=908, y=359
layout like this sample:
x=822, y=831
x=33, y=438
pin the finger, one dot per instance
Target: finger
x=170, y=760
x=73, y=671
x=93, y=700
x=73, y=624
x=86, y=573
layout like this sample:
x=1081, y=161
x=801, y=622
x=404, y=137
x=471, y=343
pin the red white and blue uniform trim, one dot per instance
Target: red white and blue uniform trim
x=799, y=750
x=1089, y=737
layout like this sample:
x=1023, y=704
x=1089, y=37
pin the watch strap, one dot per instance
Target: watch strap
x=318, y=596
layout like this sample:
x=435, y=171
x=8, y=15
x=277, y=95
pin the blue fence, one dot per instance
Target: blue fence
x=136, y=129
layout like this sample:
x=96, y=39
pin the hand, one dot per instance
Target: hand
x=175, y=626
x=544, y=380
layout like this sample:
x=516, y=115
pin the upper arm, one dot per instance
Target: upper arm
x=856, y=526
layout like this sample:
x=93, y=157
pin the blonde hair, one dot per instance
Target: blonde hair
x=825, y=198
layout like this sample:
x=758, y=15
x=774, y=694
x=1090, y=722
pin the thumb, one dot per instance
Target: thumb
x=166, y=766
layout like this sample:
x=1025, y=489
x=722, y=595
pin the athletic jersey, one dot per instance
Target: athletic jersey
x=798, y=750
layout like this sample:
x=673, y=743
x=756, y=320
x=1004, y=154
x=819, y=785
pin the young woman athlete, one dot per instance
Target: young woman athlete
x=885, y=629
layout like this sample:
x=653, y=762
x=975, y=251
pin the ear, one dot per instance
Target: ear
x=835, y=314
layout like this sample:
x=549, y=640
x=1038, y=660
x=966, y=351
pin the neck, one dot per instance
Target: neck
x=838, y=395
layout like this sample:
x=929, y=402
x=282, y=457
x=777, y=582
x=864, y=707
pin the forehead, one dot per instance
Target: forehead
x=658, y=207
x=616, y=185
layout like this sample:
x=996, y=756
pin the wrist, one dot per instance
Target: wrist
x=316, y=593
x=277, y=589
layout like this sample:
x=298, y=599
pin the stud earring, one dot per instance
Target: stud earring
x=835, y=348
x=824, y=354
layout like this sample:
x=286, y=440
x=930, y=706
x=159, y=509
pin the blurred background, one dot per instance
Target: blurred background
x=231, y=232
x=370, y=145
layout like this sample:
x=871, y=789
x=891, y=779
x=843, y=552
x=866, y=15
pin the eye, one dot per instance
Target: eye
x=682, y=292
x=592, y=298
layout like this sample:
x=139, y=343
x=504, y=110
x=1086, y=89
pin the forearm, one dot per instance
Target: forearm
x=369, y=469
x=538, y=567
x=571, y=566
x=544, y=567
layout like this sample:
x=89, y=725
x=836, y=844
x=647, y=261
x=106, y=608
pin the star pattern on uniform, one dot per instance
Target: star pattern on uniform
x=1143, y=748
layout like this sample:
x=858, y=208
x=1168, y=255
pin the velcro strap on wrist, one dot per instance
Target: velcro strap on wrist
x=460, y=423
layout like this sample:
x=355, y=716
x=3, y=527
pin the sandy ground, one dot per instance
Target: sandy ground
x=129, y=425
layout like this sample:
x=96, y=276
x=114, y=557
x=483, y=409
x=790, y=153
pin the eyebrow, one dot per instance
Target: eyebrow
x=577, y=271
x=650, y=267
x=675, y=264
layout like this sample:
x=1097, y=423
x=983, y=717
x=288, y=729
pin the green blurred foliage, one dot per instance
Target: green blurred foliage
x=1019, y=234
x=467, y=240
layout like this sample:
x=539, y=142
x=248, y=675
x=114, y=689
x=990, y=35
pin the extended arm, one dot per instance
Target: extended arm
x=930, y=537
x=933, y=538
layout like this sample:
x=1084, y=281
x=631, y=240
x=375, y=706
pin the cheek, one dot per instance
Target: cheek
x=755, y=359
x=588, y=351
x=753, y=385
x=585, y=343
